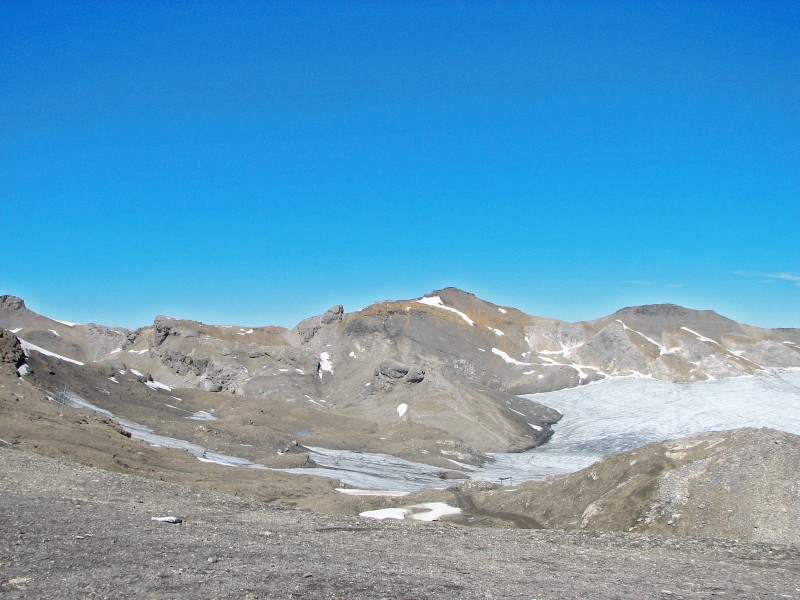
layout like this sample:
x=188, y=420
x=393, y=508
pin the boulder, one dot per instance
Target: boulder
x=393, y=369
x=415, y=374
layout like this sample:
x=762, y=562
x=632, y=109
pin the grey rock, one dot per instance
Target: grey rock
x=212, y=386
x=393, y=369
x=333, y=315
x=11, y=355
x=415, y=374
x=308, y=328
x=162, y=327
x=11, y=302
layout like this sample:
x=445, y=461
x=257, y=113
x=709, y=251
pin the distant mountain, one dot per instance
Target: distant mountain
x=448, y=361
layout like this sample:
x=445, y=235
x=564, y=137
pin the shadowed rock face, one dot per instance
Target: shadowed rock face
x=11, y=355
x=455, y=362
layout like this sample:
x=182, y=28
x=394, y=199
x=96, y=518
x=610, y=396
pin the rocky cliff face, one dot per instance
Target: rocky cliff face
x=11, y=355
x=447, y=361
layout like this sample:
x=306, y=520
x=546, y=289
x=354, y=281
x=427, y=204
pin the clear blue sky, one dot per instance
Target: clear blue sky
x=256, y=162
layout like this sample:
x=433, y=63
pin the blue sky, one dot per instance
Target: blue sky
x=255, y=163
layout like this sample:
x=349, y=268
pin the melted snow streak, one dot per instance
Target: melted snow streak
x=611, y=416
x=368, y=470
x=436, y=301
x=28, y=347
x=142, y=432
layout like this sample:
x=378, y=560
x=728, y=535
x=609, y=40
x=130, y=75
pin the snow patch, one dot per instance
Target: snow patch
x=385, y=513
x=67, y=323
x=23, y=370
x=115, y=351
x=497, y=332
x=202, y=415
x=325, y=363
x=352, y=355
x=502, y=310
x=431, y=511
x=508, y=359
x=137, y=373
x=27, y=347
x=436, y=301
x=661, y=348
x=549, y=362
x=699, y=336
x=54, y=332
x=156, y=385
x=386, y=493
x=402, y=409
x=435, y=511
x=18, y=329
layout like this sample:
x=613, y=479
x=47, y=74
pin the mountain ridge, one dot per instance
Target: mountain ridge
x=436, y=362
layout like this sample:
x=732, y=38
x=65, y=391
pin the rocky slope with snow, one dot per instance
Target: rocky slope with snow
x=739, y=484
x=423, y=394
x=445, y=366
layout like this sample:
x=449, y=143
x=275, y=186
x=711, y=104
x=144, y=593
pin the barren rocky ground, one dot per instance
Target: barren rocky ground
x=71, y=531
x=78, y=495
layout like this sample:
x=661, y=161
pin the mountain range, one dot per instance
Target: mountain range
x=436, y=378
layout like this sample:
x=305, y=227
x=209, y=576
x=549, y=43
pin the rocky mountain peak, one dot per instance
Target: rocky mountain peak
x=657, y=310
x=11, y=302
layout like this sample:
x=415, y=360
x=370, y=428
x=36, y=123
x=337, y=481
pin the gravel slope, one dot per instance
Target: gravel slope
x=71, y=531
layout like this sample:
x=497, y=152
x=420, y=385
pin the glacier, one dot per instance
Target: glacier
x=607, y=417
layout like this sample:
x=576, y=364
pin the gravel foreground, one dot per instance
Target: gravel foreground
x=70, y=531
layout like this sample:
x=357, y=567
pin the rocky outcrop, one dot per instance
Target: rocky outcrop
x=162, y=327
x=183, y=364
x=308, y=328
x=8, y=302
x=393, y=370
x=11, y=355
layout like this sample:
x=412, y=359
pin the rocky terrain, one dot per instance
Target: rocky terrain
x=741, y=484
x=70, y=531
x=437, y=380
x=444, y=370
